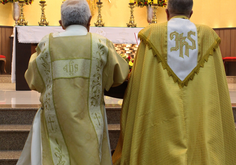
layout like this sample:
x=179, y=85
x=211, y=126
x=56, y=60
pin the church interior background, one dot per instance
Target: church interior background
x=17, y=108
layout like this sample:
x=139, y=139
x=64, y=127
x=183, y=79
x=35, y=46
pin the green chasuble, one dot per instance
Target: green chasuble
x=169, y=121
x=71, y=73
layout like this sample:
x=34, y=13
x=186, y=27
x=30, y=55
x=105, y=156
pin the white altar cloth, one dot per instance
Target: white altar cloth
x=33, y=34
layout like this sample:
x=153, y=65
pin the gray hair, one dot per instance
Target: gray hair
x=179, y=7
x=75, y=12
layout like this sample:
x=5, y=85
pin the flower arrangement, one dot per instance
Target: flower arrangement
x=161, y=3
x=27, y=2
x=129, y=60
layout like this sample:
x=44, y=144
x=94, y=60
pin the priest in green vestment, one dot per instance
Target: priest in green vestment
x=177, y=108
x=71, y=70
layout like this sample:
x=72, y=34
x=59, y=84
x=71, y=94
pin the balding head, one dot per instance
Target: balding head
x=179, y=7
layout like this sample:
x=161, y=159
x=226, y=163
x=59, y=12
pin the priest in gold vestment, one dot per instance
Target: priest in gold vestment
x=71, y=70
x=177, y=109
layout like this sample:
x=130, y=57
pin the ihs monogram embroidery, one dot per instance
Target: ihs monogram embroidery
x=71, y=68
x=181, y=42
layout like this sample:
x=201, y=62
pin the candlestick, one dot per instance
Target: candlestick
x=21, y=20
x=154, y=18
x=131, y=20
x=99, y=22
x=43, y=16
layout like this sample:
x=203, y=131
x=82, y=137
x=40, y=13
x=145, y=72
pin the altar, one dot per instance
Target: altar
x=27, y=37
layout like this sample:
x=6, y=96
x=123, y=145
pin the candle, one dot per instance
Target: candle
x=155, y=1
x=99, y=1
x=131, y=1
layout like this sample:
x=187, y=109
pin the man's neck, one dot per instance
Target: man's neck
x=74, y=30
x=174, y=15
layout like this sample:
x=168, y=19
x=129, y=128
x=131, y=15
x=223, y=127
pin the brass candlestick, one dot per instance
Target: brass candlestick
x=99, y=22
x=43, y=16
x=21, y=20
x=154, y=18
x=131, y=20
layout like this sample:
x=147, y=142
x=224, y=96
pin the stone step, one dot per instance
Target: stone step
x=14, y=136
x=25, y=115
x=9, y=157
x=10, y=151
x=234, y=111
x=5, y=78
x=231, y=79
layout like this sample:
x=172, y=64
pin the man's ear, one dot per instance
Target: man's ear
x=60, y=22
x=88, y=25
x=190, y=14
x=167, y=14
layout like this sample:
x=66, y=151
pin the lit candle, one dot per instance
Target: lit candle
x=131, y=1
x=155, y=1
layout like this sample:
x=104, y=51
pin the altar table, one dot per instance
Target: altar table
x=25, y=36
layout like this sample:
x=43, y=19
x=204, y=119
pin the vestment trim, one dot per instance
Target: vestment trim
x=59, y=151
x=162, y=57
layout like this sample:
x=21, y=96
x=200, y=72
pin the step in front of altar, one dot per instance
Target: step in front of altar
x=15, y=124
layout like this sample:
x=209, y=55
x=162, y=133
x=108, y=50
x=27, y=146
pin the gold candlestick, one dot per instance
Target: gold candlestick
x=21, y=20
x=99, y=22
x=154, y=18
x=131, y=20
x=43, y=16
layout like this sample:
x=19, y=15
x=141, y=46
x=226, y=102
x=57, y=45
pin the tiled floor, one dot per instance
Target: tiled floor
x=8, y=96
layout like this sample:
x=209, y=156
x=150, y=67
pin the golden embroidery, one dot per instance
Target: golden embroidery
x=176, y=39
x=45, y=64
x=51, y=122
x=181, y=42
x=59, y=153
x=96, y=83
x=71, y=68
x=97, y=117
x=192, y=40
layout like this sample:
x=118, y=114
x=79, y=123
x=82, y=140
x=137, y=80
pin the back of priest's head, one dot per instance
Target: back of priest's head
x=180, y=7
x=75, y=12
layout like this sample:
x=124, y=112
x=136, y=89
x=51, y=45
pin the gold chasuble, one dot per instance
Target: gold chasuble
x=177, y=113
x=71, y=73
